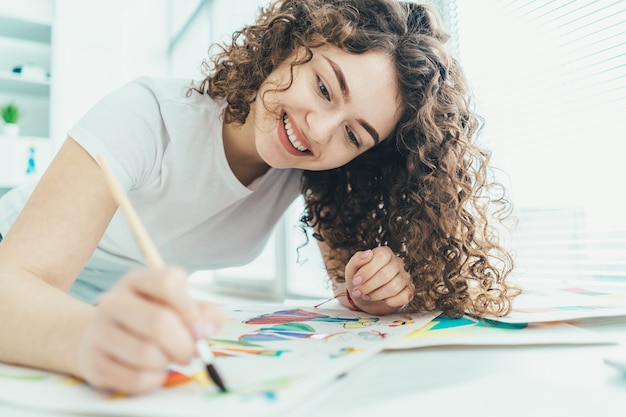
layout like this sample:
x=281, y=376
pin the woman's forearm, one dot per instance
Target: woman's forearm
x=41, y=325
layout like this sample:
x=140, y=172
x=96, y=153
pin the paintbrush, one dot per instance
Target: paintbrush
x=153, y=258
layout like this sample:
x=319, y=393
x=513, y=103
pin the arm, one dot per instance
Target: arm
x=375, y=280
x=40, y=258
x=141, y=325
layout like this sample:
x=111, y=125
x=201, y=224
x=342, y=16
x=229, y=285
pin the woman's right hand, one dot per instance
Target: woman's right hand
x=146, y=322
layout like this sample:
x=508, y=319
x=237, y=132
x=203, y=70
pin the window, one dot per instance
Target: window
x=549, y=77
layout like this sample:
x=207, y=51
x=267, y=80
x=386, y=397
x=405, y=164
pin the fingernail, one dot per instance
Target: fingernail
x=204, y=329
x=366, y=297
x=356, y=293
x=357, y=280
x=365, y=254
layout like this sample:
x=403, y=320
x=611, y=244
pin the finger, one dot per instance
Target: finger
x=403, y=298
x=132, y=351
x=114, y=376
x=210, y=319
x=356, y=262
x=387, y=282
x=152, y=322
x=380, y=258
x=391, y=289
x=167, y=286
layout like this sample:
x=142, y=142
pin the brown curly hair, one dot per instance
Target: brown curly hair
x=425, y=191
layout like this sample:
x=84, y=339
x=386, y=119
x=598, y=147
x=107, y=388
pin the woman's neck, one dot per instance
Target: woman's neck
x=241, y=152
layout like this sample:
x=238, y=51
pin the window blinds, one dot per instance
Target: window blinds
x=549, y=77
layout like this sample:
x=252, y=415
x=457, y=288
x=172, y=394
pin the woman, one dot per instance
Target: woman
x=354, y=104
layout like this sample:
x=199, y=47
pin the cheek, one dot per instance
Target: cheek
x=265, y=105
x=340, y=157
x=268, y=104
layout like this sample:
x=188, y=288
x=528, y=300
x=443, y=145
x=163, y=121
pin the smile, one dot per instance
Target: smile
x=292, y=136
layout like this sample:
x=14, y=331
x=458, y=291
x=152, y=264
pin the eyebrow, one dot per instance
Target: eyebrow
x=345, y=92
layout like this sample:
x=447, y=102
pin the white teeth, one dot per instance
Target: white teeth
x=292, y=137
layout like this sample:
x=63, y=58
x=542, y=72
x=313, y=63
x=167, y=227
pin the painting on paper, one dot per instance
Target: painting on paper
x=270, y=358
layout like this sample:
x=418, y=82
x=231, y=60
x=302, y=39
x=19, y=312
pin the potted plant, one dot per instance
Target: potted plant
x=11, y=115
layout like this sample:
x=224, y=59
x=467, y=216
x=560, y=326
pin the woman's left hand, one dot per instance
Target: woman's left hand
x=377, y=281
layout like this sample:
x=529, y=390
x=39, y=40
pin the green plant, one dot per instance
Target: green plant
x=10, y=113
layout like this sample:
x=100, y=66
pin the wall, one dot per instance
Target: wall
x=200, y=23
x=98, y=46
x=38, y=10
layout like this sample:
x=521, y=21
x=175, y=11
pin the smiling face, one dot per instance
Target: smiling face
x=338, y=106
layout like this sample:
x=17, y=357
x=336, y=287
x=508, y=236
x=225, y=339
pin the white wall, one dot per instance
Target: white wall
x=215, y=23
x=37, y=10
x=98, y=46
x=191, y=38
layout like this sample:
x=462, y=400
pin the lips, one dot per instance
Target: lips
x=292, y=139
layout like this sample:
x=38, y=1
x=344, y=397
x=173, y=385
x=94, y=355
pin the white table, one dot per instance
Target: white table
x=536, y=381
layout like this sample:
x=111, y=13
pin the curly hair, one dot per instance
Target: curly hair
x=425, y=191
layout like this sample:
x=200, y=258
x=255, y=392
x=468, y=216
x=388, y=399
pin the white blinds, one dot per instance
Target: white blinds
x=549, y=77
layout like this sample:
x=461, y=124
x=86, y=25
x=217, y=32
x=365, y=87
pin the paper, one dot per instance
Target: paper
x=269, y=358
x=443, y=331
x=546, y=302
x=617, y=359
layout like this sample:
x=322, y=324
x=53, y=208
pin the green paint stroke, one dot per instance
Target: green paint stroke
x=501, y=325
x=450, y=323
x=239, y=343
x=290, y=327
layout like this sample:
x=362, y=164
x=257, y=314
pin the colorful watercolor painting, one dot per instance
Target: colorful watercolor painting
x=444, y=331
x=271, y=359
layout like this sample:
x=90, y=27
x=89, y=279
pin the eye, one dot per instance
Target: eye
x=323, y=89
x=352, y=137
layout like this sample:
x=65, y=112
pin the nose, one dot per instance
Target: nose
x=323, y=125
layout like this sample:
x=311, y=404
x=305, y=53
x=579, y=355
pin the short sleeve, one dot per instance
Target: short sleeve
x=127, y=128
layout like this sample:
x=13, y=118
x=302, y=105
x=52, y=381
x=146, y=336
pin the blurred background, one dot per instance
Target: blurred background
x=547, y=76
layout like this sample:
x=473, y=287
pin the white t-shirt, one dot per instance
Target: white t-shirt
x=166, y=150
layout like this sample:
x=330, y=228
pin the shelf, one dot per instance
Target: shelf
x=27, y=42
x=15, y=83
x=37, y=139
x=23, y=29
x=14, y=154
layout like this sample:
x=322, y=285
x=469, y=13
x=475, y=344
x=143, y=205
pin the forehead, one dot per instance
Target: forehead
x=372, y=81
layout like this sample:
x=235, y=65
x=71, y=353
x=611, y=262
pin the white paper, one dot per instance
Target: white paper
x=275, y=361
x=444, y=331
x=547, y=302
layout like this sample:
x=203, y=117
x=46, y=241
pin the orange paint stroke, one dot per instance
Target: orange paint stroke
x=175, y=378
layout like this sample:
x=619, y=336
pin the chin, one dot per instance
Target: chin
x=273, y=157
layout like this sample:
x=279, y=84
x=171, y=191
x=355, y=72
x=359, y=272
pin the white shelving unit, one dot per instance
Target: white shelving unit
x=25, y=42
x=11, y=83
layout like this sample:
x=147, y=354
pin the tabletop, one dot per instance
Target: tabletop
x=534, y=380
x=557, y=379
